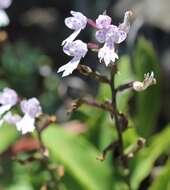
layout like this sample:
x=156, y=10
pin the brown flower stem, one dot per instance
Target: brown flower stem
x=87, y=71
x=124, y=86
x=93, y=103
x=109, y=148
x=114, y=105
x=53, y=174
x=122, y=156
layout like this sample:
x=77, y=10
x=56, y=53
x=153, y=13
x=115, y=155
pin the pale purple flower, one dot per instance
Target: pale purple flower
x=77, y=23
x=4, y=4
x=8, y=98
x=109, y=35
x=31, y=109
x=4, y=19
x=103, y=21
x=77, y=50
x=10, y=118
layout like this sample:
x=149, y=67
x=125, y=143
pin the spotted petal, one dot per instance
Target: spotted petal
x=69, y=67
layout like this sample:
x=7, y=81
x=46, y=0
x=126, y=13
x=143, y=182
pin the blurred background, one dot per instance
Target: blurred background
x=31, y=53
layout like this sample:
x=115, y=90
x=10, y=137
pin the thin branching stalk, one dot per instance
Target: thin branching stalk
x=123, y=158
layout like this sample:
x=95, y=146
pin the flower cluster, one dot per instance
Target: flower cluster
x=106, y=33
x=4, y=20
x=31, y=109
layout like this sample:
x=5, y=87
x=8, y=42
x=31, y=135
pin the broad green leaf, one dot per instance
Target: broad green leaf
x=143, y=163
x=8, y=135
x=79, y=158
x=162, y=181
x=148, y=101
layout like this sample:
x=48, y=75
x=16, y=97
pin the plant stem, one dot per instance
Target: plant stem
x=114, y=91
x=114, y=104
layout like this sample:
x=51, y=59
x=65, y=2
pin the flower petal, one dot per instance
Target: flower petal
x=101, y=35
x=11, y=118
x=4, y=19
x=120, y=36
x=4, y=108
x=26, y=124
x=69, y=67
x=4, y=4
x=76, y=49
x=103, y=21
x=71, y=38
x=107, y=54
x=81, y=17
x=31, y=107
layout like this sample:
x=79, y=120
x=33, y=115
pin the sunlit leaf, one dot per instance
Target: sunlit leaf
x=8, y=135
x=78, y=157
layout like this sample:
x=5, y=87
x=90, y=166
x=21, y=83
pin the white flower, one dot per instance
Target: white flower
x=108, y=54
x=77, y=50
x=8, y=98
x=149, y=80
x=77, y=22
x=4, y=19
x=32, y=109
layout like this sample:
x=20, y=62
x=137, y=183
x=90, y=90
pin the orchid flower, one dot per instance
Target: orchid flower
x=31, y=109
x=4, y=19
x=77, y=23
x=78, y=50
x=8, y=98
x=110, y=35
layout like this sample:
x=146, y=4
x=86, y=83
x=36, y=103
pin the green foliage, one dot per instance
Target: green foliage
x=20, y=61
x=8, y=136
x=79, y=158
x=144, y=161
x=162, y=180
x=148, y=101
x=124, y=75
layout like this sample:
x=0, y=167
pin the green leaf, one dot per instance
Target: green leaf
x=124, y=75
x=79, y=158
x=144, y=161
x=8, y=136
x=162, y=181
x=148, y=101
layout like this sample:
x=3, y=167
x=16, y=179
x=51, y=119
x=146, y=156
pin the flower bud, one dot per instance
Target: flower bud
x=148, y=81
